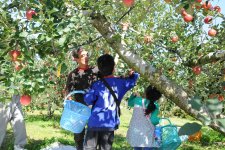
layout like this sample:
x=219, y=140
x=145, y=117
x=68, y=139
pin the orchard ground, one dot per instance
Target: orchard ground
x=43, y=131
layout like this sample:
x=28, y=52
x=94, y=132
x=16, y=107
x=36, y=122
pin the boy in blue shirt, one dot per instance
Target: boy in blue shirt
x=105, y=110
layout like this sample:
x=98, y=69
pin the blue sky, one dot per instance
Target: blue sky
x=220, y=3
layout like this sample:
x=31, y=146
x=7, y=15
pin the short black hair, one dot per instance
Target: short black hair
x=76, y=51
x=105, y=64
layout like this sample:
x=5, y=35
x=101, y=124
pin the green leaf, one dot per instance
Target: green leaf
x=195, y=103
x=23, y=34
x=63, y=68
x=189, y=129
x=214, y=106
x=62, y=40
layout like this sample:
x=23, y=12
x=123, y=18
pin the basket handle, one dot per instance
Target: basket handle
x=166, y=119
x=73, y=92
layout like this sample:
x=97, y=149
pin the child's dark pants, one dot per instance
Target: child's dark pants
x=79, y=140
x=101, y=139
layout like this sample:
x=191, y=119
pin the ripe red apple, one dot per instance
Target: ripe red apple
x=183, y=12
x=174, y=39
x=197, y=70
x=208, y=20
x=217, y=8
x=25, y=100
x=220, y=98
x=14, y=54
x=212, y=32
x=17, y=67
x=188, y=18
x=128, y=3
x=30, y=13
x=199, y=1
x=206, y=5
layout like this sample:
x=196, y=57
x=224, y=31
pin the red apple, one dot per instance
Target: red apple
x=128, y=3
x=220, y=98
x=183, y=12
x=18, y=67
x=208, y=20
x=14, y=54
x=197, y=70
x=217, y=8
x=25, y=100
x=212, y=32
x=188, y=18
x=174, y=39
x=30, y=13
x=207, y=5
x=199, y=1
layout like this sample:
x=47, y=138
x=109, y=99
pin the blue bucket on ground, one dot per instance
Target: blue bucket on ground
x=170, y=137
x=75, y=115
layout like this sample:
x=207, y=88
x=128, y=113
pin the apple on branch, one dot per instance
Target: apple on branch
x=220, y=98
x=25, y=100
x=207, y=5
x=183, y=12
x=197, y=70
x=30, y=13
x=217, y=8
x=212, y=32
x=128, y=3
x=188, y=18
x=14, y=54
x=199, y=1
x=174, y=39
x=208, y=20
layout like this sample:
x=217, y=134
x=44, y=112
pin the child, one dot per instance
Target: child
x=140, y=134
x=105, y=108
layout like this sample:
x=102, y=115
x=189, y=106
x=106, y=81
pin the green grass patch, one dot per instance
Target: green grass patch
x=42, y=131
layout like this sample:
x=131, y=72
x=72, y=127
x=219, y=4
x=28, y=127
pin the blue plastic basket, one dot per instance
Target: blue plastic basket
x=170, y=137
x=75, y=115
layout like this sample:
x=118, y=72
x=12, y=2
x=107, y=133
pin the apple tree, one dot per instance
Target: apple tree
x=165, y=41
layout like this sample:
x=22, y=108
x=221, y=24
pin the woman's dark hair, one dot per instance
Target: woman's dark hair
x=75, y=52
x=152, y=94
x=105, y=65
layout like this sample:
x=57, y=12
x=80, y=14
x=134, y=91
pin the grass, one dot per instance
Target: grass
x=43, y=131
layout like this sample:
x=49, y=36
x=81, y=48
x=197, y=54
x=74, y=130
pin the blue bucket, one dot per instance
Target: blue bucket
x=75, y=115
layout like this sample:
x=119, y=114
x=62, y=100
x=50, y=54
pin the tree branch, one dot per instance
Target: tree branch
x=170, y=89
